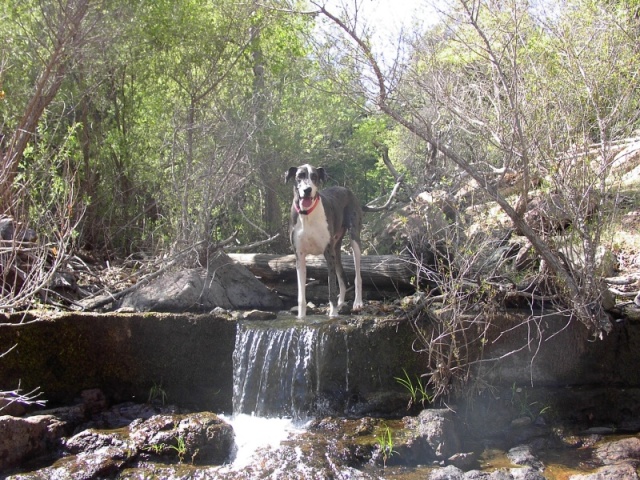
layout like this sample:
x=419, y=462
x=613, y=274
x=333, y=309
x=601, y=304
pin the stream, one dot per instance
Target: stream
x=278, y=375
x=317, y=400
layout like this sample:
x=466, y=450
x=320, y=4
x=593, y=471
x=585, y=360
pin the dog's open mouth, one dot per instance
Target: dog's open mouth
x=306, y=202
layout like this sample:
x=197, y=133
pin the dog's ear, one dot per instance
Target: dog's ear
x=289, y=174
x=322, y=176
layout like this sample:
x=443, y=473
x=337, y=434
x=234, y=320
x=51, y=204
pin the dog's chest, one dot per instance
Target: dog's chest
x=310, y=234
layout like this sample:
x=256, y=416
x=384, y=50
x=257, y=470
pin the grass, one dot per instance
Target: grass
x=385, y=443
x=180, y=448
x=520, y=400
x=417, y=391
x=157, y=394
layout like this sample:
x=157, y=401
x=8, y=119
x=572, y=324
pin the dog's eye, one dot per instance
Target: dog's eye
x=302, y=175
x=314, y=177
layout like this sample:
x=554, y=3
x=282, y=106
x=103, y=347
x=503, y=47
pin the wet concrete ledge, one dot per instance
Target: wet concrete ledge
x=188, y=357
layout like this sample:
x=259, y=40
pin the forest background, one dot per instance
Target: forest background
x=155, y=127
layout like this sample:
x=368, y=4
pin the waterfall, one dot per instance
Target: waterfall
x=275, y=369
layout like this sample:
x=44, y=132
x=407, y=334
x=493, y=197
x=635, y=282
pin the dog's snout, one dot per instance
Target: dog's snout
x=307, y=192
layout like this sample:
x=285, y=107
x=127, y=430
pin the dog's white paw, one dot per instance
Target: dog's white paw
x=357, y=306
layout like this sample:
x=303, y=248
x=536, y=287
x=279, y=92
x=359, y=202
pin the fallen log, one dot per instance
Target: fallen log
x=377, y=270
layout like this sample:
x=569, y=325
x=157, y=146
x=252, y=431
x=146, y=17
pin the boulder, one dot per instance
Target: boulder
x=23, y=439
x=523, y=455
x=199, y=438
x=447, y=473
x=427, y=228
x=610, y=472
x=12, y=230
x=432, y=434
x=11, y=405
x=223, y=284
x=624, y=450
x=91, y=454
x=93, y=440
x=102, y=463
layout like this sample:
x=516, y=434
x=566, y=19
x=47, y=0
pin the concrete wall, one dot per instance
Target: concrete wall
x=188, y=356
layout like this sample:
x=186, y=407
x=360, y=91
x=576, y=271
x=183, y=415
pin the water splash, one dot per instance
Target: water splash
x=253, y=434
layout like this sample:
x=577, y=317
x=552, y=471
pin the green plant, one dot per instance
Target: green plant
x=180, y=447
x=156, y=448
x=418, y=392
x=520, y=400
x=157, y=394
x=385, y=443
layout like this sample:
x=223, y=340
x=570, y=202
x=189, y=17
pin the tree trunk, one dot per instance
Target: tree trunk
x=47, y=85
x=382, y=271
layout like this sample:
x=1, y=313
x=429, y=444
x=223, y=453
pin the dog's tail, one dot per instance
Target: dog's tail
x=369, y=208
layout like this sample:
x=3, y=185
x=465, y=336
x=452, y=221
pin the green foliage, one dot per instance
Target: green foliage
x=525, y=407
x=161, y=129
x=157, y=394
x=417, y=391
x=385, y=444
x=180, y=448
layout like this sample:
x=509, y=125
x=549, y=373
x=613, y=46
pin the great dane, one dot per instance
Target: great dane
x=319, y=221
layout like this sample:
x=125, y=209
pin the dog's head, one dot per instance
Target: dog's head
x=307, y=182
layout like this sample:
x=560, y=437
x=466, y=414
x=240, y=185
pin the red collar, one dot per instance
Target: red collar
x=310, y=209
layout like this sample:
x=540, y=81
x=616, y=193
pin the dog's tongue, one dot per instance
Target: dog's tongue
x=306, y=202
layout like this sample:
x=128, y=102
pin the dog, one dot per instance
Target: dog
x=319, y=221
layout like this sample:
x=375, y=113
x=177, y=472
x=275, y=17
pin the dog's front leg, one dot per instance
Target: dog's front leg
x=329, y=255
x=301, y=269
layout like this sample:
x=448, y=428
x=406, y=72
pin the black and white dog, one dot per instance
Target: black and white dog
x=319, y=221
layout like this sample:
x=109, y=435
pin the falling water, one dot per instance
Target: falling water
x=276, y=369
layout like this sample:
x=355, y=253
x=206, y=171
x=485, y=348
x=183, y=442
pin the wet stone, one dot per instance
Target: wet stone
x=625, y=450
x=523, y=455
x=259, y=315
x=104, y=462
x=199, y=438
x=610, y=472
x=432, y=434
x=91, y=441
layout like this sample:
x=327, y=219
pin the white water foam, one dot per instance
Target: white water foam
x=254, y=433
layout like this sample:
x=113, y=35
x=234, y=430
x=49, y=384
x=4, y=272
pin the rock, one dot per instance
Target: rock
x=71, y=416
x=12, y=230
x=94, y=400
x=426, y=228
x=200, y=438
x=259, y=315
x=23, y=439
x=123, y=414
x=521, y=422
x=102, y=463
x=432, y=435
x=610, y=472
x=625, y=450
x=526, y=473
x=9, y=405
x=447, y=473
x=223, y=284
x=442, y=200
x=92, y=440
x=463, y=460
x=523, y=455
x=501, y=474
